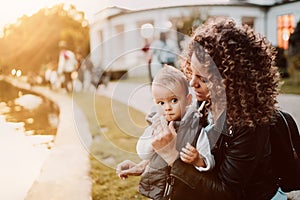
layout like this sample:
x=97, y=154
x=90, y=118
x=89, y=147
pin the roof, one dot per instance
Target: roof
x=115, y=7
x=136, y=5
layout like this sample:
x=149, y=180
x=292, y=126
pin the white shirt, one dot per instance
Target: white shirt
x=67, y=61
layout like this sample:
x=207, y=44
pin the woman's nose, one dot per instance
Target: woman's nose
x=193, y=82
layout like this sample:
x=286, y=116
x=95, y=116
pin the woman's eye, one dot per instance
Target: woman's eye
x=202, y=79
x=174, y=100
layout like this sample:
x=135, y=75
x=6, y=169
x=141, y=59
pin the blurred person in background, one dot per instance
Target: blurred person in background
x=66, y=65
x=162, y=51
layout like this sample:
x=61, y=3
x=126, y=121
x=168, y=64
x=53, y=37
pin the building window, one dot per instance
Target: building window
x=285, y=26
x=249, y=21
x=100, y=35
x=119, y=29
x=141, y=23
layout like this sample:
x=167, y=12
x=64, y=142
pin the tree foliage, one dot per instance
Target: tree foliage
x=33, y=41
x=294, y=41
x=187, y=24
x=293, y=55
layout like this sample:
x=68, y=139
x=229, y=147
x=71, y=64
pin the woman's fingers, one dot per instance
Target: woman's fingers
x=185, y=158
x=188, y=153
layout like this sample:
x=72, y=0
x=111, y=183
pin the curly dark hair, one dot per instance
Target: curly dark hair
x=245, y=61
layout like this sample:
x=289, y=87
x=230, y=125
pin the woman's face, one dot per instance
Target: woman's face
x=198, y=81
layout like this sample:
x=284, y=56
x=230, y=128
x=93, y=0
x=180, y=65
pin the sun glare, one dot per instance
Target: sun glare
x=14, y=9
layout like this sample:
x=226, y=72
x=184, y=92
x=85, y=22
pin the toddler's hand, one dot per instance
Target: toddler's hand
x=155, y=112
x=130, y=168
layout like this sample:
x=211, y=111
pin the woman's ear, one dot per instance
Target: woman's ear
x=189, y=99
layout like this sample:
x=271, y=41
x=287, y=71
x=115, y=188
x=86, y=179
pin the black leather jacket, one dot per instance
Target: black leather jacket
x=243, y=167
x=244, y=163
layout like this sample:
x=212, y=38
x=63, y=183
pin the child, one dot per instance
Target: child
x=170, y=92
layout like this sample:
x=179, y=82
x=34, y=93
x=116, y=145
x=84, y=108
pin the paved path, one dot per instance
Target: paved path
x=291, y=103
x=136, y=95
x=65, y=173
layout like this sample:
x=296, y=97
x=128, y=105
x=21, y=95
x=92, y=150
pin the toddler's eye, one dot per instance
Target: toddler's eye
x=174, y=100
x=160, y=103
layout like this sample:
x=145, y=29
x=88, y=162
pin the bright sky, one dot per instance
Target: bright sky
x=11, y=10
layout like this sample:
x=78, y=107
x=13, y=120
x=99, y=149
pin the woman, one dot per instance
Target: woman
x=237, y=66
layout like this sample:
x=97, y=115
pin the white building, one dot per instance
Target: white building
x=117, y=38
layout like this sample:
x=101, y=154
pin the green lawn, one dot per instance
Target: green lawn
x=289, y=86
x=115, y=128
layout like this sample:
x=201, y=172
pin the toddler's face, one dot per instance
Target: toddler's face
x=172, y=99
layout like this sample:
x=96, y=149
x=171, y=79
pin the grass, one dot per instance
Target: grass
x=289, y=86
x=115, y=128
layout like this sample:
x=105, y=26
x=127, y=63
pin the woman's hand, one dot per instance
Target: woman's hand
x=190, y=154
x=130, y=168
x=164, y=140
